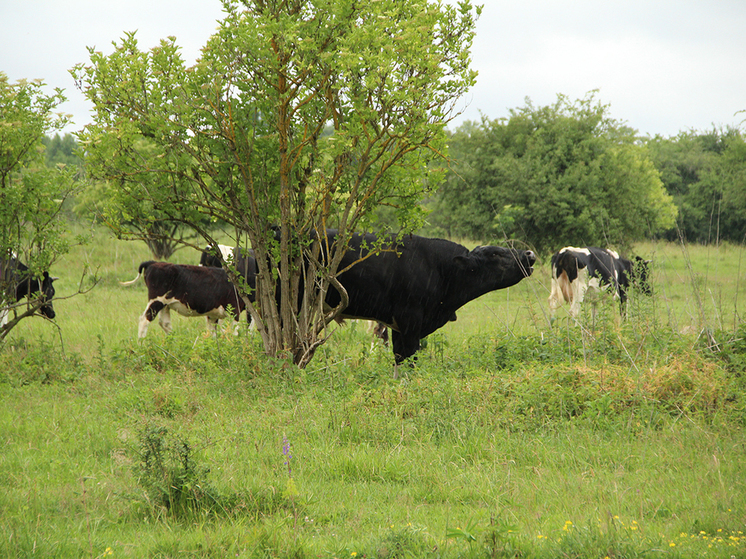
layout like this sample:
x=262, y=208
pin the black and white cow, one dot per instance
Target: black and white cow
x=16, y=282
x=576, y=270
x=210, y=258
x=418, y=284
x=190, y=291
x=243, y=260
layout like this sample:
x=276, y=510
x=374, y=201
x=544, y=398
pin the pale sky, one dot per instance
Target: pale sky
x=662, y=66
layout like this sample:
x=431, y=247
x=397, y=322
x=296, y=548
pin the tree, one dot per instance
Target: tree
x=302, y=115
x=31, y=194
x=61, y=150
x=552, y=176
x=733, y=178
x=704, y=172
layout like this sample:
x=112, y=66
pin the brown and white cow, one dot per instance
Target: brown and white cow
x=576, y=270
x=190, y=291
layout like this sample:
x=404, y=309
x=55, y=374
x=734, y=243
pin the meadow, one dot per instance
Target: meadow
x=510, y=437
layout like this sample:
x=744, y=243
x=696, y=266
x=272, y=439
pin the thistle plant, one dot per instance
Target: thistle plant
x=290, y=489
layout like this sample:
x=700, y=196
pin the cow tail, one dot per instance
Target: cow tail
x=140, y=270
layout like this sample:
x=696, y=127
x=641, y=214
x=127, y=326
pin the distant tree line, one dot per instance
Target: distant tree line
x=705, y=172
x=567, y=174
x=61, y=150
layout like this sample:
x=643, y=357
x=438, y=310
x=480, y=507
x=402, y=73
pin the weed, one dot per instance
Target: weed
x=408, y=541
x=170, y=475
x=23, y=363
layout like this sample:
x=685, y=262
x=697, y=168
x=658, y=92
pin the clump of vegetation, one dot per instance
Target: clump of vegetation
x=170, y=474
x=176, y=482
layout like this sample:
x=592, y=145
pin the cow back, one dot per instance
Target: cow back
x=202, y=289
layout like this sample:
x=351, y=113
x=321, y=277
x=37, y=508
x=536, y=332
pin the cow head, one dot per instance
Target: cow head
x=30, y=286
x=503, y=266
x=47, y=294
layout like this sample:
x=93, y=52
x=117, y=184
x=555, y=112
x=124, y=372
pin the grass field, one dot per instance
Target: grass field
x=509, y=438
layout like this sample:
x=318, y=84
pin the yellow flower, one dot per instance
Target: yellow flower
x=672, y=544
x=353, y=554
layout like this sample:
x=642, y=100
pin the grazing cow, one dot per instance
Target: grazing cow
x=417, y=284
x=190, y=291
x=16, y=282
x=575, y=270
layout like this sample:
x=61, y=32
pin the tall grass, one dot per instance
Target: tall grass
x=509, y=438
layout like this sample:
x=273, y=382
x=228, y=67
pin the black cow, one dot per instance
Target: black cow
x=575, y=270
x=418, y=284
x=190, y=291
x=16, y=282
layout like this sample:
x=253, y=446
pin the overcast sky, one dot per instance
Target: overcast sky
x=662, y=66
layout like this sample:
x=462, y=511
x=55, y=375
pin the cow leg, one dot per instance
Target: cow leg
x=236, y=313
x=164, y=319
x=153, y=308
x=556, y=298
x=212, y=325
x=405, y=345
x=579, y=288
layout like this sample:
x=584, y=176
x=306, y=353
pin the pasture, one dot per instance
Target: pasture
x=509, y=438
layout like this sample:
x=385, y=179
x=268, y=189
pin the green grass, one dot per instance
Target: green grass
x=508, y=439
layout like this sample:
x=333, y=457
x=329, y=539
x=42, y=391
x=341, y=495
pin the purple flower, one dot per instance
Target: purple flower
x=286, y=452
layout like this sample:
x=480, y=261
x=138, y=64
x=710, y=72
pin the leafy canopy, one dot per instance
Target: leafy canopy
x=705, y=173
x=552, y=176
x=32, y=227
x=305, y=115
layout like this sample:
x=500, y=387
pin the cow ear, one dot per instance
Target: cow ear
x=464, y=262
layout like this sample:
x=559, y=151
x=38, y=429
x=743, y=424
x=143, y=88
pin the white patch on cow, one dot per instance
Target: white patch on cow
x=142, y=328
x=556, y=298
x=164, y=316
x=164, y=319
x=576, y=249
x=614, y=254
x=225, y=251
x=578, y=290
